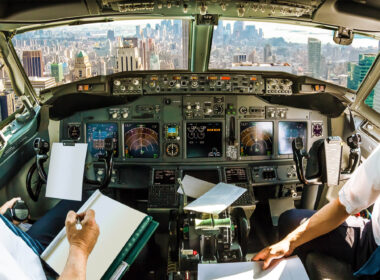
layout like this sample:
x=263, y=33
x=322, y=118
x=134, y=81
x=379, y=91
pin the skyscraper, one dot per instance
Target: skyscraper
x=82, y=66
x=111, y=35
x=128, y=58
x=7, y=105
x=33, y=63
x=57, y=71
x=314, y=57
x=267, y=53
x=376, y=98
x=357, y=72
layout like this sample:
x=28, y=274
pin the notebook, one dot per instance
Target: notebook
x=123, y=233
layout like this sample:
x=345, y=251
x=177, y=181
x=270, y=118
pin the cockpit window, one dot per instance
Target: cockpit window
x=300, y=50
x=373, y=99
x=65, y=54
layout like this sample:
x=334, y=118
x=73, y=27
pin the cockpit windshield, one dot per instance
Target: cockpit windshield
x=65, y=54
x=300, y=50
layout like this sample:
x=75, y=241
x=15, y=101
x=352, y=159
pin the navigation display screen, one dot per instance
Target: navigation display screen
x=141, y=140
x=164, y=177
x=95, y=135
x=236, y=175
x=256, y=139
x=287, y=132
x=204, y=140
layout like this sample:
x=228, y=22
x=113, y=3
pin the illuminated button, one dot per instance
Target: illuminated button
x=197, y=107
x=114, y=115
x=188, y=107
x=125, y=115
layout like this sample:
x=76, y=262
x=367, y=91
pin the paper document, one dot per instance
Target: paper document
x=217, y=199
x=194, y=187
x=66, y=169
x=286, y=269
x=117, y=222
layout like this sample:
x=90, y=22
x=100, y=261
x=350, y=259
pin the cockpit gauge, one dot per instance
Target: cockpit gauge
x=73, y=131
x=172, y=149
x=141, y=140
x=256, y=138
x=317, y=129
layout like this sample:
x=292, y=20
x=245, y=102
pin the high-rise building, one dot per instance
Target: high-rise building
x=376, y=97
x=7, y=104
x=357, y=72
x=239, y=58
x=57, y=71
x=38, y=84
x=33, y=63
x=82, y=66
x=267, y=53
x=314, y=57
x=111, y=35
x=128, y=58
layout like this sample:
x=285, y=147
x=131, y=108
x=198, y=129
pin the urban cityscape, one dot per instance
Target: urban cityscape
x=62, y=55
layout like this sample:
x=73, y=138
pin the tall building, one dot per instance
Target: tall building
x=82, y=66
x=33, y=63
x=314, y=57
x=7, y=105
x=267, y=53
x=357, y=72
x=376, y=98
x=57, y=71
x=111, y=35
x=128, y=58
x=239, y=58
x=38, y=84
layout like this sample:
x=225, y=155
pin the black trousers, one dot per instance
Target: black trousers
x=352, y=242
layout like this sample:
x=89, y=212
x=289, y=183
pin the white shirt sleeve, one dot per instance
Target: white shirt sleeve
x=363, y=188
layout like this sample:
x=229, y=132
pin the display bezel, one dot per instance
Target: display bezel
x=258, y=157
x=222, y=122
x=103, y=122
x=278, y=135
x=159, y=140
x=163, y=169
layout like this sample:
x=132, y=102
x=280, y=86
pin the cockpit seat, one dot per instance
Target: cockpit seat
x=323, y=267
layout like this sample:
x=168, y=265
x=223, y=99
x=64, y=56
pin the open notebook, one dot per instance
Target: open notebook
x=123, y=233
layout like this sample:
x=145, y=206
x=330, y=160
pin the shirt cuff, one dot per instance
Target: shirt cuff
x=342, y=198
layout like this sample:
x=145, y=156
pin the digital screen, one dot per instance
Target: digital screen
x=287, y=132
x=208, y=175
x=164, y=177
x=204, y=140
x=95, y=135
x=236, y=175
x=256, y=139
x=141, y=140
x=171, y=131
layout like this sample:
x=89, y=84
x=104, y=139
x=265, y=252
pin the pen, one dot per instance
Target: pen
x=78, y=224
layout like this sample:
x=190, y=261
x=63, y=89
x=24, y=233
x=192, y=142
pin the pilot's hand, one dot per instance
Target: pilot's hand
x=8, y=204
x=273, y=252
x=83, y=239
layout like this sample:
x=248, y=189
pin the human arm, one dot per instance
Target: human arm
x=325, y=220
x=81, y=244
x=8, y=204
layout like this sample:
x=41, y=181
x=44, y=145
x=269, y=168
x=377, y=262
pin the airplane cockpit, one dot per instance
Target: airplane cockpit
x=280, y=99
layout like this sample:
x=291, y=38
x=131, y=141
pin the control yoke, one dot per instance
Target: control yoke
x=41, y=147
x=299, y=154
x=353, y=142
x=107, y=158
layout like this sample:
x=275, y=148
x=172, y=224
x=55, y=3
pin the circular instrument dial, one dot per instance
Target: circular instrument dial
x=172, y=149
x=254, y=141
x=74, y=132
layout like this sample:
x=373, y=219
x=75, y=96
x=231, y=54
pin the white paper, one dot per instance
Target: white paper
x=194, y=187
x=117, y=222
x=66, y=169
x=217, y=199
x=285, y=269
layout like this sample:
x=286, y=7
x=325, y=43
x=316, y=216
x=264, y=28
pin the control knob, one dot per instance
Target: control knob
x=136, y=82
x=188, y=107
x=243, y=110
x=197, y=107
x=114, y=115
x=125, y=115
x=117, y=82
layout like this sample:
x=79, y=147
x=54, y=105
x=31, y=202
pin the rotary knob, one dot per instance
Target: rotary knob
x=125, y=115
x=117, y=82
x=136, y=82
